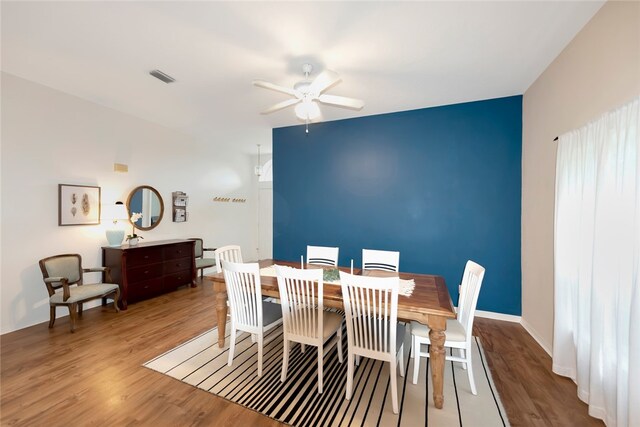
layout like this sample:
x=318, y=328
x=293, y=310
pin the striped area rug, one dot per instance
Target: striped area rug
x=200, y=363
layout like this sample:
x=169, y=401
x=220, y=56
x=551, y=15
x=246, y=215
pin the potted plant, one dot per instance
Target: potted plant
x=133, y=238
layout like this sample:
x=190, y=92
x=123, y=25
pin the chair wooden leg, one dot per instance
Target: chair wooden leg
x=232, y=344
x=52, y=316
x=463, y=355
x=349, y=374
x=394, y=386
x=302, y=347
x=79, y=309
x=401, y=360
x=260, y=341
x=116, y=298
x=416, y=358
x=285, y=361
x=73, y=314
x=411, y=352
x=340, y=357
x=472, y=381
x=320, y=363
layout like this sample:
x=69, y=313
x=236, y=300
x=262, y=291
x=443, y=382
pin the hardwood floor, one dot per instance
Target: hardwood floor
x=94, y=376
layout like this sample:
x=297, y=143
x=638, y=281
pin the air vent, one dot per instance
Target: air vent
x=162, y=76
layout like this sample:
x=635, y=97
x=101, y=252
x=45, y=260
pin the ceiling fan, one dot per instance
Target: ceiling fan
x=306, y=94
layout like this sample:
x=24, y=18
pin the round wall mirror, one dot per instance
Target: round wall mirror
x=147, y=201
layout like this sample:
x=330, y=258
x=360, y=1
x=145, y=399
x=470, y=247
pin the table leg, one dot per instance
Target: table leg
x=437, y=355
x=221, y=310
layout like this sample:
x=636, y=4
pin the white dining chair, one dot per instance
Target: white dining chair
x=231, y=253
x=371, y=313
x=380, y=260
x=458, y=332
x=303, y=315
x=249, y=313
x=322, y=255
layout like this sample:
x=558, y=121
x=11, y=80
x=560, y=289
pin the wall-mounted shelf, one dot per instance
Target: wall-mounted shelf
x=180, y=202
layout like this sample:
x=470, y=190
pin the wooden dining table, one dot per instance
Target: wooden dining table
x=429, y=304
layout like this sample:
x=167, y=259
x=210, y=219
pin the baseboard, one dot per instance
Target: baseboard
x=535, y=336
x=498, y=316
x=515, y=319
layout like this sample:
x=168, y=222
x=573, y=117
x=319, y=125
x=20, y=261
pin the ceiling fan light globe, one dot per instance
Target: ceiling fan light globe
x=307, y=110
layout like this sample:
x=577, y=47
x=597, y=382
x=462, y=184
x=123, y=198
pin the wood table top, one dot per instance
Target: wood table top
x=430, y=296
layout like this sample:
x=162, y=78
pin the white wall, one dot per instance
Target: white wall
x=598, y=71
x=51, y=138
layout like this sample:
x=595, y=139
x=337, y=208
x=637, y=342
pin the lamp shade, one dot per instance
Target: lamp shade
x=116, y=212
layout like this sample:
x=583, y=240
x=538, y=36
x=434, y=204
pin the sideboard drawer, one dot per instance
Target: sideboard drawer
x=178, y=264
x=178, y=251
x=140, y=256
x=180, y=278
x=142, y=290
x=145, y=272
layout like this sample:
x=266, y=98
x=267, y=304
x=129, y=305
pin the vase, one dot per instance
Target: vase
x=115, y=237
x=133, y=241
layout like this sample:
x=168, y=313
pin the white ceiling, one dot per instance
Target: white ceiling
x=394, y=55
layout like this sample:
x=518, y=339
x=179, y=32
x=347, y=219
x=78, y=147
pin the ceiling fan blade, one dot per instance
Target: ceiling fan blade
x=342, y=101
x=324, y=81
x=280, y=105
x=267, y=85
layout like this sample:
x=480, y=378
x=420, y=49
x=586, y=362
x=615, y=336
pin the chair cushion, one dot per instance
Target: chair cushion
x=64, y=266
x=400, y=328
x=205, y=262
x=455, y=331
x=331, y=321
x=80, y=293
x=271, y=313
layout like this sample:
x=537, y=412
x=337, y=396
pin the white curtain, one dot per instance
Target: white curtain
x=597, y=253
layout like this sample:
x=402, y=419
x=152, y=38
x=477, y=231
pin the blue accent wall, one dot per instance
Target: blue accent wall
x=441, y=185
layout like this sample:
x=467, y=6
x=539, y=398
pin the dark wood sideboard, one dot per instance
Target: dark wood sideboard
x=151, y=268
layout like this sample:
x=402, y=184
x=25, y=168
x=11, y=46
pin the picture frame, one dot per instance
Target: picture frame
x=78, y=205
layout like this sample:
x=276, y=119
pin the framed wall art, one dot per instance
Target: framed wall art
x=78, y=205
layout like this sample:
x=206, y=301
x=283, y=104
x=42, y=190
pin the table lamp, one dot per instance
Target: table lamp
x=115, y=213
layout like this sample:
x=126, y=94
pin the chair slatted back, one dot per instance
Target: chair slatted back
x=380, y=260
x=322, y=255
x=245, y=294
x=302, y=305
x=471, y=282
x=371, y=311
x=231, y=253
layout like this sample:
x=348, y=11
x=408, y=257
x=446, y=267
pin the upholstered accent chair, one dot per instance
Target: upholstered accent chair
x=61, y=273
x=201, y=261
